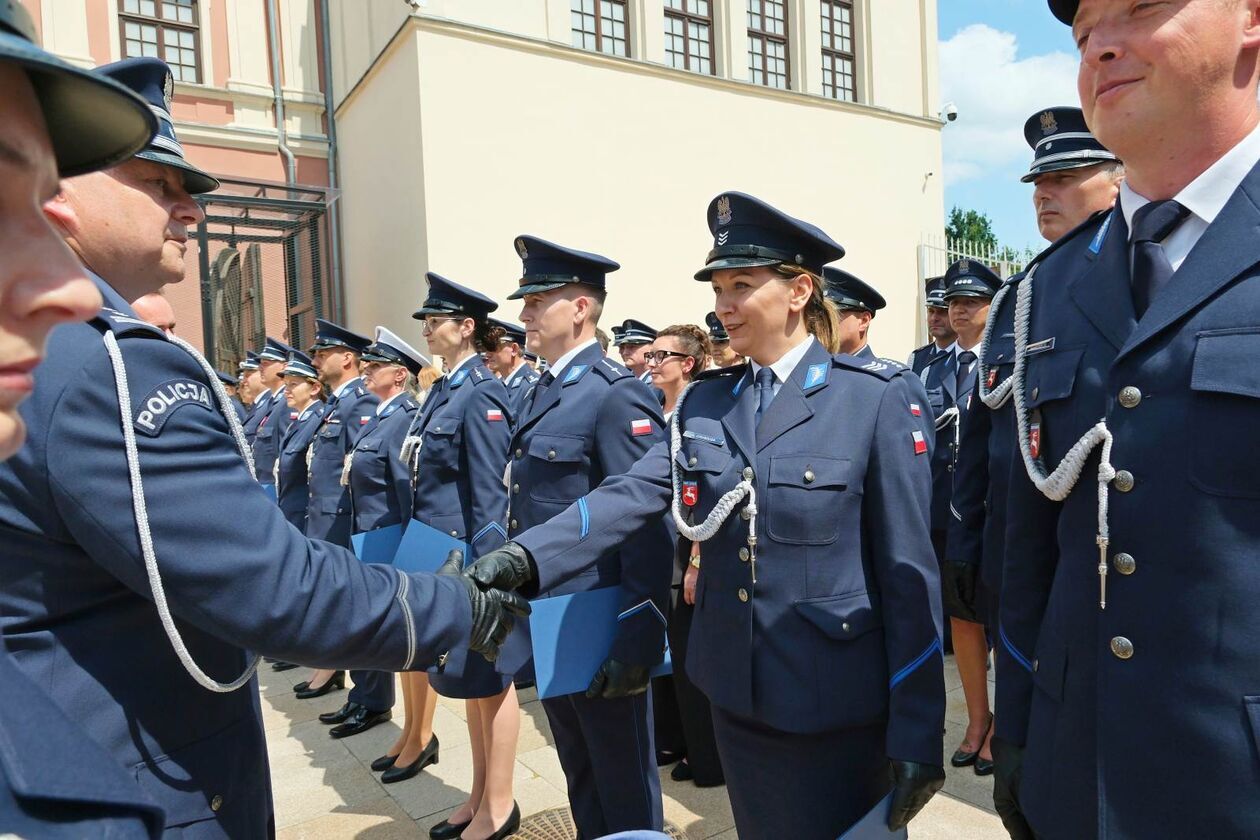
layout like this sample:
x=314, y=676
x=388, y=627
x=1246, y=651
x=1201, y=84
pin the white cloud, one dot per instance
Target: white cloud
x=995, y=92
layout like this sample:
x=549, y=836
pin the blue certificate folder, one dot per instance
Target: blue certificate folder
x=423, y=548
x=270, y=490
x=572, y=635
x=377, y=546
x=874, y=826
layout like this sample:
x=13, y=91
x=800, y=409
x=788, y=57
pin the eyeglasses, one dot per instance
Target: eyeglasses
x=431, y=324
x=658, y=357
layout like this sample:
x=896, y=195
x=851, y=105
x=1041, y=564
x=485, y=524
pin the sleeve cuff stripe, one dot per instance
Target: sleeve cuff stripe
x=900, y=676
x=1015, y=654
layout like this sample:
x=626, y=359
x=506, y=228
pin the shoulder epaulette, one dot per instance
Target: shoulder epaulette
x=884, y=369
x=481, y=375
x=714, y=373
x=1093, y=228
x=120, y=323
x=610, y=370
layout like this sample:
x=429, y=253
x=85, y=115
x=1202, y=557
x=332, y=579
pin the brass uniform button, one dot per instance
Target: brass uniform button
x=516, y=488
x=216, y=803
x=1122, y=648
x=513, y=524
x=1130, y=396
x=748, y=474
x=1036, y=664
x=845, y=627
x=518, y=453
x=1123, y=481
x=454, y=533
x=743, y=595
x=1124, y=563
x=743, y=555
x=691, y=462
x=809, y=476
x=551, y=454
x=1035, y=392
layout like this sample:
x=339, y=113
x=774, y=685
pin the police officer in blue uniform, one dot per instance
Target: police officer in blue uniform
x=1130, y=583
x=938, y=326
x=589, y=419
x=723, y=355
x=510, y=364
x=55, y=781
x=304, y=396
x=821, y=653
x=125, y=552
x=273, y=416
x=632, y=340
x=256, y=399
x=856, y=302
x=230, y=384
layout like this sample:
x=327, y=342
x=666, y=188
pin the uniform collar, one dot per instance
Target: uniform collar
x=787, y=362
x=380, y=407
x=564, y=361
x=276, y=393
x=349, y=383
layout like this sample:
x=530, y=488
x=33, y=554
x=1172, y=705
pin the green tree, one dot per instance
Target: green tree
x=970, y=226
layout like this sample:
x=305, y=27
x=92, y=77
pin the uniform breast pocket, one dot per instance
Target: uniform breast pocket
x=441, y=444
x=1224, y=411
x=327, y=443
x=558, y=466
x=1051, y=375
x=805, y=498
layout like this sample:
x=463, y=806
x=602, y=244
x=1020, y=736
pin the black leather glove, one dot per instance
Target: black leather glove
x=958, y=583
x=913, y=785
x=493, y=610
x=619, y=679
x=1008, y=761
x=507, y=567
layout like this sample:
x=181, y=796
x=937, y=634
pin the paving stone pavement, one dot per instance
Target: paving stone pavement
x=324, y=789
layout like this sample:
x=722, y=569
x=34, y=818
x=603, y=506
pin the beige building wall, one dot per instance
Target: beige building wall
x=456, y=138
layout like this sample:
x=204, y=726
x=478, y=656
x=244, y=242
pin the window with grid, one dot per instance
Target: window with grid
x=165, y=29
x=689, y=35
x=768, y=43
x=838, y=57
x=600, y=26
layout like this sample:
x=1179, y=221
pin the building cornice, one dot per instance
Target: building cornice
x=248, y=139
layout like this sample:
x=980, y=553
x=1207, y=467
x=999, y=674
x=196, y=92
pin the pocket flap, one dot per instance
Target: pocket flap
x=808, y=471
x=699, y=456
x=1051, y=375
x=841, y=617
x=1001, y=350
x=561, y=448
x=443, y=427
x=1221, y=366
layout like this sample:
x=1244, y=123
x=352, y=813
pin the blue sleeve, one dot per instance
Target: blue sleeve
x=251, y=580
x=971, y=486
x=487, y=433
x=896, y=510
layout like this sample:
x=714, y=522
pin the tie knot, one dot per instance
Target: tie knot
x=1154, y=221
x=765, y=378
x=966, y=357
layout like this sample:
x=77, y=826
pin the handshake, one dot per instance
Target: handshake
x=491, y=583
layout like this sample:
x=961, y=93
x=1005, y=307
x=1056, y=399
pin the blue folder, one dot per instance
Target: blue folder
x=270, y=490
x=377, y=546
x=874, y=826
x=572, y=635
x=424, y=548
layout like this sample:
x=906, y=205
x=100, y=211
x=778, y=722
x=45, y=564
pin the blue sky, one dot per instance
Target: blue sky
x=1001, y=61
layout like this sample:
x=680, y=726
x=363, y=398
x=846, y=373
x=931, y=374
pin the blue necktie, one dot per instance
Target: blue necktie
x=1152, y=224
x=765, y=391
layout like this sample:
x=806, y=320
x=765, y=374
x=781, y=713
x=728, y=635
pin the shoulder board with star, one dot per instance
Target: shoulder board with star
x=884, y=369
x=715, y=373
x=481, y=376
x=121, y=323
x=610, y=370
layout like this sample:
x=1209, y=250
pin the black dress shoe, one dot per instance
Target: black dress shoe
x=682, y=772
x=384, y=763
x=447, y=830
x=983, y=766
x=510, y=827
x=302, y=686
x=341, y=715
x=664, y=758
x=429, y=755
x=362, y=720
x=962, y=758
x=282, y=666
x=334, y=683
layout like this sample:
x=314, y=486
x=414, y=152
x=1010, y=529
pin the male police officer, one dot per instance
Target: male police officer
x=589, y=419
x=131, y=588
x=633, y=339
x=508, y=362
x=1073, y=175
x=722, y=355
x=1131, y=600
x=273, y=416
x=857, y=302
x=55, y=781
x=941, y=332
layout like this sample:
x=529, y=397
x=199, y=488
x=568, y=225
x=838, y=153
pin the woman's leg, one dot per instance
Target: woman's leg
x=501, y=727
x=971, y=653
x=408, y=717
x=419, y=718
x=464, y=813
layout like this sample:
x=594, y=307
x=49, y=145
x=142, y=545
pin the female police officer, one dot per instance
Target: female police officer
x=305, y=397
x=464, y=428
x=817, y=626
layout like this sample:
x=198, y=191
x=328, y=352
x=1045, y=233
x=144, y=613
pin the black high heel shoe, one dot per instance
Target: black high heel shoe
x=962, y=758
x=428, y=756
x=384, y=763
x=510, y=827
x=334, y=683
x=447, y=830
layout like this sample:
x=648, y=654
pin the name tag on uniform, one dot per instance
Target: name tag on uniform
x=1040, y=346
x=155, y=409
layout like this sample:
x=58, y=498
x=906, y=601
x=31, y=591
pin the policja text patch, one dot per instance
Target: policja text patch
x=154, y=410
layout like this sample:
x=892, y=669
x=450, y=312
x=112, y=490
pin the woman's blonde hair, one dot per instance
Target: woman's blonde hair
x=821, y=318
x=426, y=378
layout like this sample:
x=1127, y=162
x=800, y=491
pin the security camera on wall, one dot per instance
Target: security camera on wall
x=949, y=112
x=414, y=4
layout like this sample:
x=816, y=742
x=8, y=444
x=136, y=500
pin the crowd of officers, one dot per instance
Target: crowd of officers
x=794, y=514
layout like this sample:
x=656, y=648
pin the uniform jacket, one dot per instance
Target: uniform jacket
x=241, y=413
x=272, y=424
x=922, y=355
x=380, y=483
x=328, y=512
x=944, y=393
x=594, y=422
x=76, y=604
x=518, y=386
x=1165, y=743
x=842, y=626
x=46, y=794
x=254, y=415
x=291, y=491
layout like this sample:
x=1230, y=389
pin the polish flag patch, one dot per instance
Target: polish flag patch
x=494, y=415
x=641, y=427
x=1034, y=440
x=690, y=493
x=293, y=415
x=915, y=410
x=363, y=421
x=920, y=445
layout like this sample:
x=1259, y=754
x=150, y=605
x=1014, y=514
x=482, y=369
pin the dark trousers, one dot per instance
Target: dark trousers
x=609, y=759
x=693, y=705
x=373, y=689
x=804, y=786
x=667, y=720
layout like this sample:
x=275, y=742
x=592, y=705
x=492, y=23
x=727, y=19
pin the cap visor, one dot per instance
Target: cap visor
x=1060, y=165
x=733, y=262
x=536, y=288
x=93, y=122
x=969, y=294
x=196, y=182
x=1064, y=10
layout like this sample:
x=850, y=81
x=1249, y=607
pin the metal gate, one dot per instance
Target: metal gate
x=265, y=267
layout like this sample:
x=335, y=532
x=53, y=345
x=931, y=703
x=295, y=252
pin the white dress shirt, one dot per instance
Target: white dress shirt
x=785, y=365
x=380, y=406
x=563, y=361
